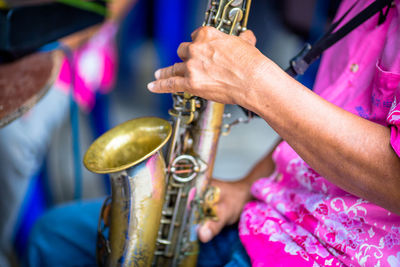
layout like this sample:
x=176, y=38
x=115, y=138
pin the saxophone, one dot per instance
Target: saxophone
x=156, y=206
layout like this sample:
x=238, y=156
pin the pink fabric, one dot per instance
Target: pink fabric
x=301, y=219
x=95, y=67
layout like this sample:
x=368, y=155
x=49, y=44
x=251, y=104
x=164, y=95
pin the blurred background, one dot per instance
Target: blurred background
x=48, y=143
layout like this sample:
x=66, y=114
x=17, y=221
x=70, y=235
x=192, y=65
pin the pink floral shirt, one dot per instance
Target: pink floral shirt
x=301, y=219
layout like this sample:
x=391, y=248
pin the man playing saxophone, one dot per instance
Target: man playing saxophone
x=333, y=186
x=328, y=194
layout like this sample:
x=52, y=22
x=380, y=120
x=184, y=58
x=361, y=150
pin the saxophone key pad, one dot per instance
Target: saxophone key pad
x=186, y=167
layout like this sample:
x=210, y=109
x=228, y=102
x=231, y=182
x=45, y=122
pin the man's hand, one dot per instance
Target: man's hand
x=215, y=66
x=234, y=195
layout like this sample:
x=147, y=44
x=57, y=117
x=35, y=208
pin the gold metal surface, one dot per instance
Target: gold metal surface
x=137, y=199
x=211, y=198
x=246, y=16
x=127, y=144
x=224, y=14
x=190, y=259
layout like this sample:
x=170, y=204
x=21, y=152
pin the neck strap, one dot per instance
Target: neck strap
x=300, y=63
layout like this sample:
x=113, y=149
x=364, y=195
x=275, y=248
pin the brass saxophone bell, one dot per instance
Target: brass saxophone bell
x=127, y=145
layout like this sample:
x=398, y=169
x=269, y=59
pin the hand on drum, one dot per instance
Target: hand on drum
x=233, y=196
x=215, y=66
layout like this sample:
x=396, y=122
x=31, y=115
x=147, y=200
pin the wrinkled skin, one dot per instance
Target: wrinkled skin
x=230, y=70
x=209, y=70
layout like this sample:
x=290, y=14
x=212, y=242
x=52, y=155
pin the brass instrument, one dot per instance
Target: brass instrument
x=156, y=206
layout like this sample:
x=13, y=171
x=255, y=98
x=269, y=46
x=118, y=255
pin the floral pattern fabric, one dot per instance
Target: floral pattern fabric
x=301, y=219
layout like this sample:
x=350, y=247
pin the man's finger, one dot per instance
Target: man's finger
x=183, y=51
x=249, y=37
x=205, y=32
x=210, y=229
x=195, y=33
x=170, y=85
x=178, y=69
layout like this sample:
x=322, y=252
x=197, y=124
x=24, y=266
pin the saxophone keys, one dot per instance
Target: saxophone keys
x=211, y=198
x=212, y=195
x=185, y=168
x=236, y=14
x=237, y=3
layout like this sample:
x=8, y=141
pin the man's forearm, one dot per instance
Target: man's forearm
x=263, y=168
x=351, y=152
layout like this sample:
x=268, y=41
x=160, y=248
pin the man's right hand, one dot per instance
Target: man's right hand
x=233, y=196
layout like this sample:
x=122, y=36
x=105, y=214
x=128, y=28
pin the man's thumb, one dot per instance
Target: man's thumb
x=248, y=36
x=209, y=229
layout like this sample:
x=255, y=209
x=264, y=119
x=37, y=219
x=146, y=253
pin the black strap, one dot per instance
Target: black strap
x=300, y=63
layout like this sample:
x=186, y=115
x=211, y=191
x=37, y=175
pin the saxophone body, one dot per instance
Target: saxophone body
x=156, y=206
